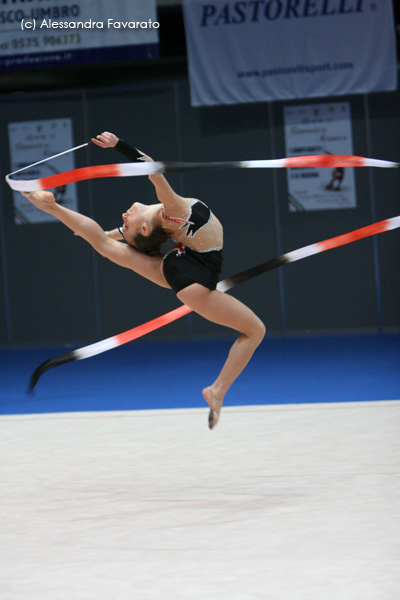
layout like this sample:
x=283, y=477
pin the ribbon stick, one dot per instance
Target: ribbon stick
x=154, y=168
x=47, y=159
x=223, y=286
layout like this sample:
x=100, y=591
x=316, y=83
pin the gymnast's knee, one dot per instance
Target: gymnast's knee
x=258, y=332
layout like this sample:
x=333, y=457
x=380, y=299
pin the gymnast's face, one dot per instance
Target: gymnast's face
x=135, y=220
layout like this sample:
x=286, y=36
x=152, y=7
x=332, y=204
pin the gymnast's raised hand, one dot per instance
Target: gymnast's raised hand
x=110, y=140
x=105, y=140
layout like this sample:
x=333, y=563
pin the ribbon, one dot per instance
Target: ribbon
x=154, y=168
x=223, y=286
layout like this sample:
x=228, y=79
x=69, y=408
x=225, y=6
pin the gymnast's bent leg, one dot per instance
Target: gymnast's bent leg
x=228, y=311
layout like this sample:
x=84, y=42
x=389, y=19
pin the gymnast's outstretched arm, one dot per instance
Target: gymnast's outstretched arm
x=120, y=254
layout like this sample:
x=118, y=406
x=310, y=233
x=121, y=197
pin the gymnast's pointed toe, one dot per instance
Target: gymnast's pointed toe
x=213, y=419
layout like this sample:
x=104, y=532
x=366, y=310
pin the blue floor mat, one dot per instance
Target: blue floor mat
x=172, y=375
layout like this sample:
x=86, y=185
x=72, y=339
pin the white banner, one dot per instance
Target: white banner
x=319, y=129
x=30, y=142
x=58, y=32
x=262, y=50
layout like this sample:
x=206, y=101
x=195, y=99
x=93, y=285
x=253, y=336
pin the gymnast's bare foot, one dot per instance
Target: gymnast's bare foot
x=215, y=406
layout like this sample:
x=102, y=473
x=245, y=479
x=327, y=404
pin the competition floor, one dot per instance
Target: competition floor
x=112, y=486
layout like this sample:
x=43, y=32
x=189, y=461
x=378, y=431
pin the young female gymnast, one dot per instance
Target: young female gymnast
x=191, y=268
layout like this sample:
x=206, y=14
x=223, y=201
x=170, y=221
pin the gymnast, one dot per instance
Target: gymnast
x=191, y=268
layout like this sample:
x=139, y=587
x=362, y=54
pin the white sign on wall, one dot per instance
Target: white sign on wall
x=31, y=142
x=319, y=129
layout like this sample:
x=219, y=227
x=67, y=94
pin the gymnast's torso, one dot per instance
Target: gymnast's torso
x=197, y=257
x=193, y=225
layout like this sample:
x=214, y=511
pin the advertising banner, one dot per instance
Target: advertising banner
x=42, y=33
x=261, y=50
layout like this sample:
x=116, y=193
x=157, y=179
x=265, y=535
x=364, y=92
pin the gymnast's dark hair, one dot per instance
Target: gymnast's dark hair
x=150, y=244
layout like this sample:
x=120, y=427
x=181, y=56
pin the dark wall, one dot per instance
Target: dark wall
x=55, y=290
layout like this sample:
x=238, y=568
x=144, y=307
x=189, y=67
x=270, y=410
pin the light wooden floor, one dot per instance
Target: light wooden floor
x=278, y=502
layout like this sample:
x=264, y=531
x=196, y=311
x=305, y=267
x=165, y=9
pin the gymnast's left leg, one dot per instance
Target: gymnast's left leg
x=228, y=311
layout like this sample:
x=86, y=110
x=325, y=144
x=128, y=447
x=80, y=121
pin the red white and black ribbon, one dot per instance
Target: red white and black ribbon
x=223, y=286
x=154, y=168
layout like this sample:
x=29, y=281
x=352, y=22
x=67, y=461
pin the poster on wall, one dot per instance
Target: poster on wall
x=319, y=129
x=31, y=142
x=67, y=32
